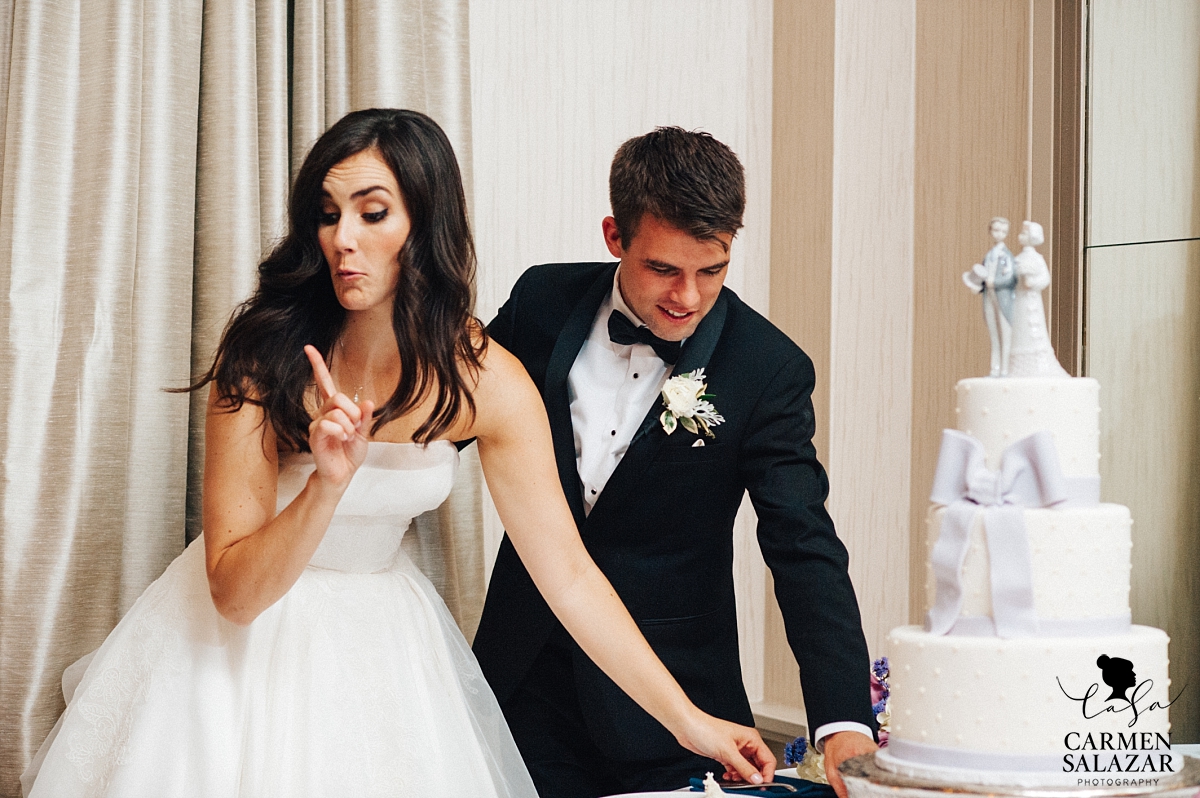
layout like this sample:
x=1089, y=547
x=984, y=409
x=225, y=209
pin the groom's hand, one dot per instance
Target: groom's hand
x=839, y=747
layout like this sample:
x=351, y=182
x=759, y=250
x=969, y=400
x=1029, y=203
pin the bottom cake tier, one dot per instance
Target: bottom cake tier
x=1030, y=711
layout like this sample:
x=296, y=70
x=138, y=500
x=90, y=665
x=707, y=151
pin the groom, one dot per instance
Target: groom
x=656, y=509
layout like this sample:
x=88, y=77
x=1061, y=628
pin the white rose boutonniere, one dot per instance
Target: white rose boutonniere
x=688, y=405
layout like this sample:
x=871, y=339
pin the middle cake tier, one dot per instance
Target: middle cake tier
x=1081, y=565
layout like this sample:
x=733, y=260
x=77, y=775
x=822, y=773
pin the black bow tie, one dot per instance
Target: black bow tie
x=621, y=331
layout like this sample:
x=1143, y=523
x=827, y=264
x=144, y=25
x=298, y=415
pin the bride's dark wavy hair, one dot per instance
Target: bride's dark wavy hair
x=260, y=359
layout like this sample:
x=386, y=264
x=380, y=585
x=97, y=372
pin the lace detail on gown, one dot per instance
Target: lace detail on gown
x=119, y=686
x=356, y=682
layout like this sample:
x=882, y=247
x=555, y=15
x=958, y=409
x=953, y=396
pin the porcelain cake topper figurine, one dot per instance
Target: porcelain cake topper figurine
x=996, y=279
x=1032, y=355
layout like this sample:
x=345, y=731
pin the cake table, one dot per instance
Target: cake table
x=865, y=779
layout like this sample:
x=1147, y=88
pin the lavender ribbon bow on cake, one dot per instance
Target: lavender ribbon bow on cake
x=1029, y=476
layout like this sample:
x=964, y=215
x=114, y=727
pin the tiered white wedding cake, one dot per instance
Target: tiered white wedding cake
x=1028, y=670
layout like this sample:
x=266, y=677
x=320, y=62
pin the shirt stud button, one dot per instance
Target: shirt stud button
x=593, y=491
x=635, y=376
x=614, y=432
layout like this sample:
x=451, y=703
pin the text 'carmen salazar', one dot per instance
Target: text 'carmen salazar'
x=1105, y=752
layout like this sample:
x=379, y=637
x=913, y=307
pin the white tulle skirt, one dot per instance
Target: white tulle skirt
x=352, y=684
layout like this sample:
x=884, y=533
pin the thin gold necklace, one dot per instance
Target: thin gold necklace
x=358, y=389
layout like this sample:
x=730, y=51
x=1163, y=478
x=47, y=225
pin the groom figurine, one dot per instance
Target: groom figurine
x=656, y=508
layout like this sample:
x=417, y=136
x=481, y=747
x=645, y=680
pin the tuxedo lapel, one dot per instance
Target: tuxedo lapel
x=558, y=403
x=698, y=349
x=695, y=354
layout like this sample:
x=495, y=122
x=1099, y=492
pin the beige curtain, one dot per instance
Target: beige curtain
x=96, y=221
x=145, y=153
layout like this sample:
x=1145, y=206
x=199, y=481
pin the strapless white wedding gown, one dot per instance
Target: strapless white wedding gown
x=356, y=683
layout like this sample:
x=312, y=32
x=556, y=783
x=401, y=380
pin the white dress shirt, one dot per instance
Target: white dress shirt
x=611, y=387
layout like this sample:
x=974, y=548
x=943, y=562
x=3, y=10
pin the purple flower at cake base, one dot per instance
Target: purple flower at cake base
x=879, y=697
x=809, y=765
x=793, y=752
x=879, y=692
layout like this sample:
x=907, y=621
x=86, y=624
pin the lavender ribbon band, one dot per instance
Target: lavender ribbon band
x=1101, y=626
x=1029, y=477
x=941, y=756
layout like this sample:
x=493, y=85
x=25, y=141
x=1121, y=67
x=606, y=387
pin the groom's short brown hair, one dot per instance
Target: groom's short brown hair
x=688, y=179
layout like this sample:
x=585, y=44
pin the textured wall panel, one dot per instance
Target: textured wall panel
x=1143, y=332
x=1145, y=105
x=972, y=106
x=842, y=268
x=801, y=252
x=871, y=297
x=556, y=87
x=1144, y=347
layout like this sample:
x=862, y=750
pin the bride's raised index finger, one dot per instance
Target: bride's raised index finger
x=320, y=372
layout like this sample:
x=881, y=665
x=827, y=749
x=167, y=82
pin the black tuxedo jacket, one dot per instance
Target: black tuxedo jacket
x=662, y=529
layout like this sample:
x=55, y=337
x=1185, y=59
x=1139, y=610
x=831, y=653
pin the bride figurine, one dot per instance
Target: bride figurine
x=1031, y=355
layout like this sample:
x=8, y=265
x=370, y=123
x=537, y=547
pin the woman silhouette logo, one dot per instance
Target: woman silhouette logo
x=1117, y=674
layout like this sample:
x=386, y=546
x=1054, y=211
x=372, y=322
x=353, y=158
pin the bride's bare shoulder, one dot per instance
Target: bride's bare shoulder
x=502, y=390
x=501, y=375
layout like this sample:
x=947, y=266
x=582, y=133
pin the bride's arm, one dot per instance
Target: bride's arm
x=253, y=555
x=516, y=451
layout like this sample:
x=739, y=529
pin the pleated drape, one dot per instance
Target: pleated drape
x=381, y=54
x=145, y=154
x=96, y=221
x=242, y=179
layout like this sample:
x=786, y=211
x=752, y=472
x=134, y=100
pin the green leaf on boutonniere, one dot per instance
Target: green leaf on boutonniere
x=686, y=399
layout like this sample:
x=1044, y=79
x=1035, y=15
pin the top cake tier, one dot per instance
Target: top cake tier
x=999, y=411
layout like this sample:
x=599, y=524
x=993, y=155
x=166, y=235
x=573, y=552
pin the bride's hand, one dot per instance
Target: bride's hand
x=739, y=748
x=336, y=435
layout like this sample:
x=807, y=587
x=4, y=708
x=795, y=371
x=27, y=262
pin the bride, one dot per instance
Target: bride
x=294, y=650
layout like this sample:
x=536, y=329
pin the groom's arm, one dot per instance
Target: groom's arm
x=501, y=329
x=788, y=487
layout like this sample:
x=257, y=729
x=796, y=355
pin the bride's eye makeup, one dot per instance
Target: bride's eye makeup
x=327, y=218
x=375, y=216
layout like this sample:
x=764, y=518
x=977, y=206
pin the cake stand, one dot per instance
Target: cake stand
x=865, y=779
